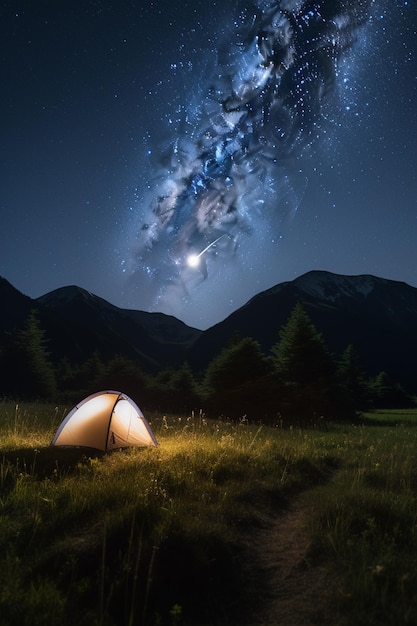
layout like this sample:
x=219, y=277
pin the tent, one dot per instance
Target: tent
x=105, y=421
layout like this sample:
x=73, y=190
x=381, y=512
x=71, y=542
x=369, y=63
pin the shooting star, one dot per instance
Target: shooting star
x=193, y=260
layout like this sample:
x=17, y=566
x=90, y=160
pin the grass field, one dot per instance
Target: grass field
x=166, y=535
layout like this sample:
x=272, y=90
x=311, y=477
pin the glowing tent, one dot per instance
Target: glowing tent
x=105, y=421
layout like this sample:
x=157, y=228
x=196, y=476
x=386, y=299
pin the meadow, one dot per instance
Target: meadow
x=173, y=535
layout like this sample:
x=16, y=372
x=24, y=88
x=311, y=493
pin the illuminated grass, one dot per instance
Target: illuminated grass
x=147, y=536
x=365, y=520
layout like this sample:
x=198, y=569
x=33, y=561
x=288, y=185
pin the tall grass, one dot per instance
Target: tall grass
x=365, y=521
x=28, y=424
x=164, y=536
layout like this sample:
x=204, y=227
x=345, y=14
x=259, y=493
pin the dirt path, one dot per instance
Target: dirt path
x=299, y=590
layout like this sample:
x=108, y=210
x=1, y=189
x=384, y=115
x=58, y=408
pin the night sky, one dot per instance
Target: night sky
x=182, y=156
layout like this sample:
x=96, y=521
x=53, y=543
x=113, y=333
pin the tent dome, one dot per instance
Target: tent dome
x=105, y=420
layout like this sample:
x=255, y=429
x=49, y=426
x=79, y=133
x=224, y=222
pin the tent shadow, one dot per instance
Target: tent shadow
x=48, y=461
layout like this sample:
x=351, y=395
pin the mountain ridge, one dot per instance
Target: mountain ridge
x=377, y=315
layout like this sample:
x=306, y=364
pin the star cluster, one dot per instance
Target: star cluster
x=182, y=156
x=232, y=167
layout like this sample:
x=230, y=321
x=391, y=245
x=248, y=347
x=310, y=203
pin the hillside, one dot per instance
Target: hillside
x=376, y=315
x=78, y=323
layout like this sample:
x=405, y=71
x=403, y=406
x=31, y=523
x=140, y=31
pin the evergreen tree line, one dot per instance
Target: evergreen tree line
x=298, y=381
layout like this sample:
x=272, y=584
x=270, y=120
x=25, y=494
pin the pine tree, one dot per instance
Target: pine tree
x=123, y=374
x=183, y=390
x=236, y=380
x=33, y=372
x=387, y=394
x=352, y=381
x=304, y=367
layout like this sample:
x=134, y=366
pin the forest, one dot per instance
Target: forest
x=298, y=381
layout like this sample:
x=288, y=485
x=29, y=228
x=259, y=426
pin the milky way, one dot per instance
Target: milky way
x=229, y=167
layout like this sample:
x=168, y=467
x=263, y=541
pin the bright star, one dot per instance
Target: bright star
x=193, y=260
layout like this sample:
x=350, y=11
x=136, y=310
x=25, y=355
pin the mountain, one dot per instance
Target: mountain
x=15, y=307
x=154, y=340
x=377, y=316
x=77, y=323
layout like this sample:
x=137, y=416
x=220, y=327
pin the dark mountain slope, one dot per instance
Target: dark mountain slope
x=378, y=316
x=153, y=340
x=14, y=307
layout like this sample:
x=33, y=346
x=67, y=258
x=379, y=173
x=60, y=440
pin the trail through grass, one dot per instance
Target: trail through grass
x=165, y=536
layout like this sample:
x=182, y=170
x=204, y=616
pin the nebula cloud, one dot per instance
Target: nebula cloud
x=230, y=165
